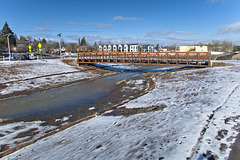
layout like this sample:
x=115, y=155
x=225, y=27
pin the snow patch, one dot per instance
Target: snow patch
x=35, y=74
x=91, y=108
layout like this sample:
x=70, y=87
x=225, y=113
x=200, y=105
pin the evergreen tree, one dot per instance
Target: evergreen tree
x=3, y=38
x=44, y=41
x=95, y=47
x=95, y=44
x=79, y=41
x=157, y=47
x=83, y=42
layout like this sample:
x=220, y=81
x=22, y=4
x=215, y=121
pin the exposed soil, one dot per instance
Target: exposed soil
x=130, y=111
x=30, y=132
x=220, y=64
x=3, y=147
x=236, y=57
x=235, y=154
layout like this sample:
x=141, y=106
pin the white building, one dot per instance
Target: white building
x=105, y=48
x=120, y=48
x=217, y=53
x=193, y=48
x=126, y=48
x=109, y=48
x=144, y=48
x=100, y=48
x=150, y=48
x=147, y=48
x=115, y=49
x=201, y=48
x=134, y=47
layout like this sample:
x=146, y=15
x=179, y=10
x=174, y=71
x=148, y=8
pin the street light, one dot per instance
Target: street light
x=8, y=34
x=59, y=35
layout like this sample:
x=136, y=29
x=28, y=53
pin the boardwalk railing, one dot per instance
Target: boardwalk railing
x=200, y=59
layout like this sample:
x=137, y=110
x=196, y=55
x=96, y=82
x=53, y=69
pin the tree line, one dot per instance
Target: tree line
x=21, y=44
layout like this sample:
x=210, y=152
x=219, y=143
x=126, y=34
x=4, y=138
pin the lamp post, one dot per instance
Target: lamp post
x=59, y=35
x=8, y=46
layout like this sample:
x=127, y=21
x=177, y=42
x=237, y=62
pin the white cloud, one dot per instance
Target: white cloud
x=168, y=40
x=126, y=18
x=183, y=32
x=98, y=25
x=215, y=1
x=41, y=29
x=180, y=39
x=231, y=28
x=91, y=39
x=156, y=33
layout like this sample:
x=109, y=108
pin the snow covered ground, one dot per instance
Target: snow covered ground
x=17, y=133
x=37, y=74
x=202, y=116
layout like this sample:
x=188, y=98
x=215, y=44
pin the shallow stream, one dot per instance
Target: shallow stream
x=69, y=99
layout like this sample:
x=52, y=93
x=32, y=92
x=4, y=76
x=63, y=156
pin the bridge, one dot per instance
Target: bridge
x=196, y=59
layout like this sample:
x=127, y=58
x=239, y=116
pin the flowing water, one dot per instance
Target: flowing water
x=70, y=98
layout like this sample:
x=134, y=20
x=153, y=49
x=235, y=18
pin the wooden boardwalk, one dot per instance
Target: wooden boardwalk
x=197, y=59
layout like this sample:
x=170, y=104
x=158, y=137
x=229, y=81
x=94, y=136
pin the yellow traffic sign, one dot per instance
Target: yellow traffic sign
x=39, y=45
x=40, y=49
x=30, y=48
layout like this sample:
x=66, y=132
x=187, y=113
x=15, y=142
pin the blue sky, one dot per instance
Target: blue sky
x=164, y=22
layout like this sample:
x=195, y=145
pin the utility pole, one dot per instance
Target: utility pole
x=8, y=46
x=59, y=35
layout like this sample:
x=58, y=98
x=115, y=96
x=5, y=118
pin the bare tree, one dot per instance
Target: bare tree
x=216, y=45
x=29, y=39
x=227, y=46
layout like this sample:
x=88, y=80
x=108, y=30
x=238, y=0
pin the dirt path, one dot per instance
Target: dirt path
x=235, y=153
x=195, y=149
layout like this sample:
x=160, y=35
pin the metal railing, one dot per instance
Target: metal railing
x=200, y=59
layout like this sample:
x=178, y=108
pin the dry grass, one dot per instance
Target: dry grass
x=131, y=111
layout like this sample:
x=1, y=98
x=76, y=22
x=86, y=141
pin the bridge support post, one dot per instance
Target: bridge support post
x=102, y=56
